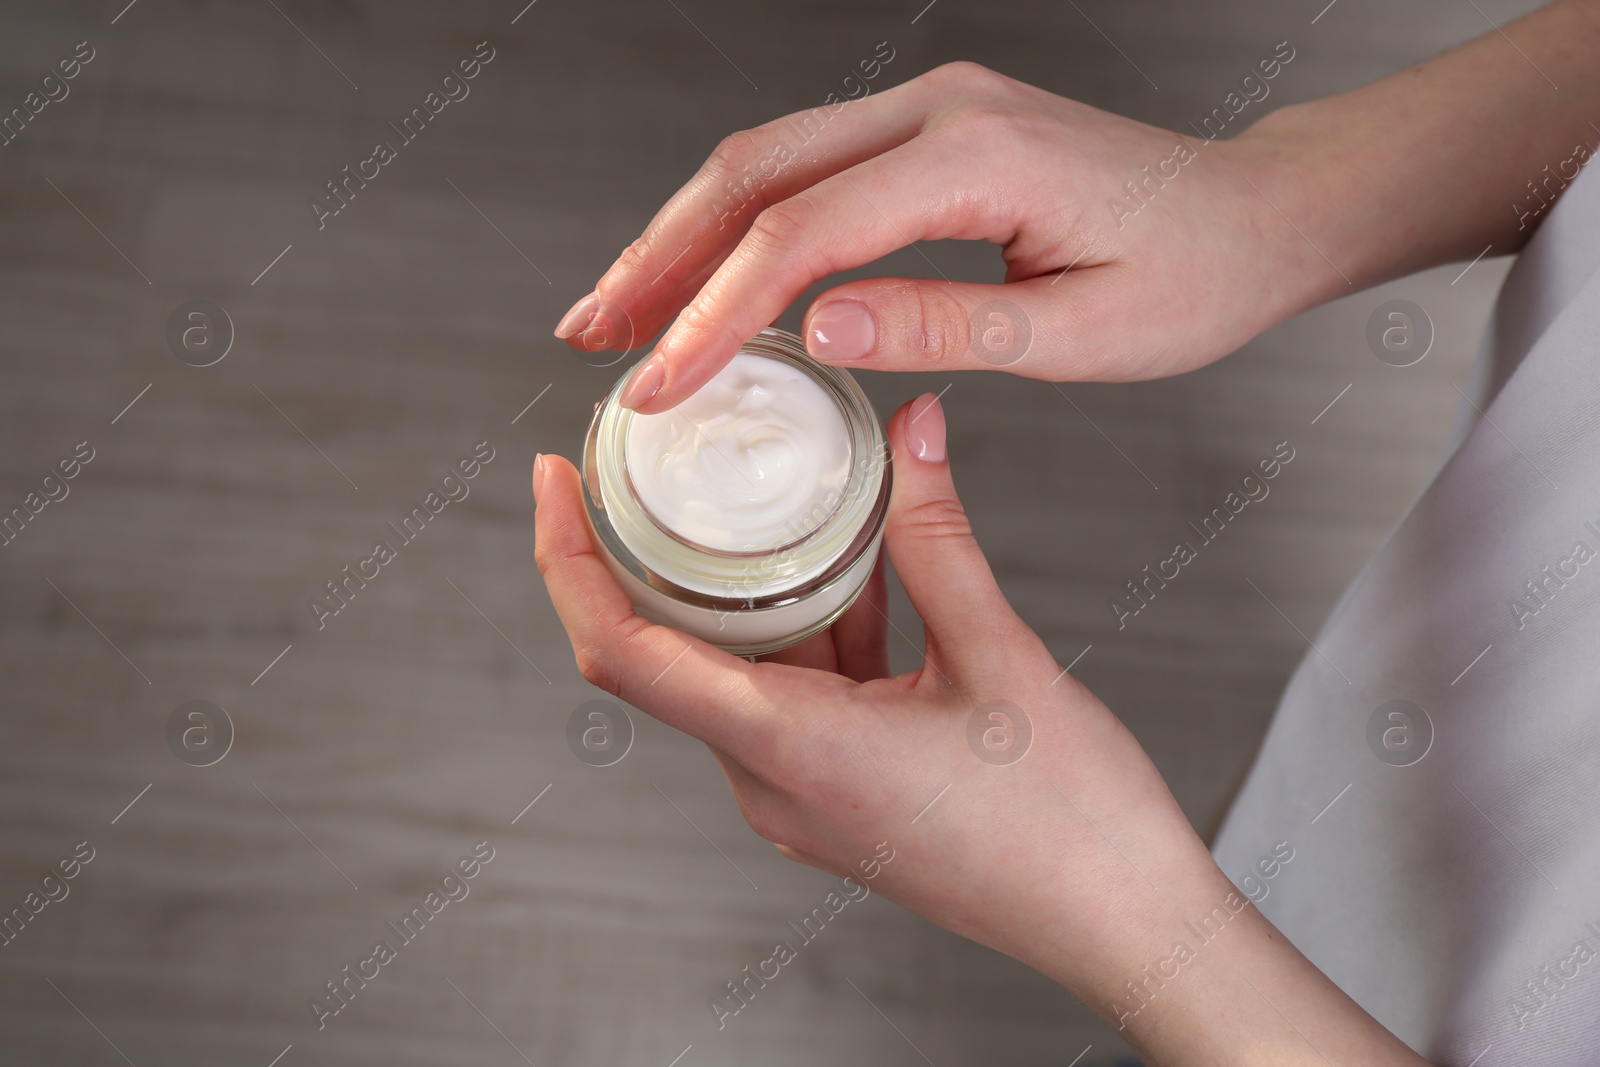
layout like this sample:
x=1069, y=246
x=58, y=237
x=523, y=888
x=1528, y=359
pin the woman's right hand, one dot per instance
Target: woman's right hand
x=1201, y=261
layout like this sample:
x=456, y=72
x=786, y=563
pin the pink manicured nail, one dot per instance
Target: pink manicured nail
x=645, y=383
x=578, y=318
x=841, y=330
x=538, y=476
x=925, y=429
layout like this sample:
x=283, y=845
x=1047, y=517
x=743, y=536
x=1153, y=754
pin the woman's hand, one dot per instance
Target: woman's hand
x=1162, y=280
x=1073, y=858
x=1180, y=248
x=828, y=756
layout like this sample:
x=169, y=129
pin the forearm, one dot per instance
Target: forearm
x=1193, y=975
x=1438, y=163
x=1239, y=995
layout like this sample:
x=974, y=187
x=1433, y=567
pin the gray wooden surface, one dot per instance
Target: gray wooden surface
x=426, y=716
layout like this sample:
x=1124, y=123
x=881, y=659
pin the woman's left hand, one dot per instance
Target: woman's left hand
x=828, y=756
x=1067, y=852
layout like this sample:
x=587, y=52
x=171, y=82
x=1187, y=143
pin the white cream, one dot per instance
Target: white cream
x=754, y=460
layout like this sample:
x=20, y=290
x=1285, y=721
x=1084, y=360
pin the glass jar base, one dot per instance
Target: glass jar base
x=742, y=631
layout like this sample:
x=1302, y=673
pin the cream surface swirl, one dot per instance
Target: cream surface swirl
x=754, y=460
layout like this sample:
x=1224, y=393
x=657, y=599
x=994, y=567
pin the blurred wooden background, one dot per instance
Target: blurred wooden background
x=426, y=716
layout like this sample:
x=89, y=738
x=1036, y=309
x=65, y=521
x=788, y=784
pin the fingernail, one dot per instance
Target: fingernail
x=841, y=330
x=578, y=318
x=645, y=383
x=538, y=476
x=925, y=429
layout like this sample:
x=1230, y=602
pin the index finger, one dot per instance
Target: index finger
x=748, y=172
x=852, y=218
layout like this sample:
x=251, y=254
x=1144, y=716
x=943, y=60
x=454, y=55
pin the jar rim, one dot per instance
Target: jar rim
x=815, y=561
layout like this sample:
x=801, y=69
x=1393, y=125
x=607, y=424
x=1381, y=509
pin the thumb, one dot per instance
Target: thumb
x=911, y=324
x=965, y=616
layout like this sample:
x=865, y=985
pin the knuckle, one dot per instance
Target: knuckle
x=698, y=321
x=782, y=227
x=982, y=122
x=597, y=657
x=937, y=518
x=595, y=668
x=636, y=256
x=548, y=558
x=965, y=74
x=734, y=154
x=939, y=333
x=1009, y=128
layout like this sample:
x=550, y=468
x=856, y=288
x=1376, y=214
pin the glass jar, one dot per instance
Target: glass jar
x=746, y=598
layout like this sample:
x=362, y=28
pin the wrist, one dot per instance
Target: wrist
x=1110, y=893
x=1302, y=187
x=1451, y=159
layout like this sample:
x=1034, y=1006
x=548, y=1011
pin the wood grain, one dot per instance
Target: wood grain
x=379, y=350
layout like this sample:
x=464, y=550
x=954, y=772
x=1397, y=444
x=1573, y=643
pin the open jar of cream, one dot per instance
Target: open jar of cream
x=750, y=515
